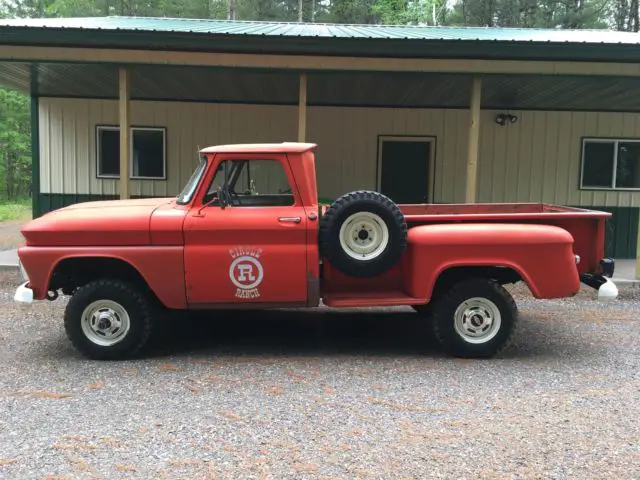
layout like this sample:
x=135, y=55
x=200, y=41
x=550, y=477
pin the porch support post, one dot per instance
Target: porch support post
x=36, y=209
x=302, y=109
x=474, y=135
x=125, y=135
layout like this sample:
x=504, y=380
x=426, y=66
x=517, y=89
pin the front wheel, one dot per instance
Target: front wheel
x=108, y=320
x=474, y=319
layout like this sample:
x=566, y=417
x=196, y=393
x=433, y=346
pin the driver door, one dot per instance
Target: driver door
x=253, y=249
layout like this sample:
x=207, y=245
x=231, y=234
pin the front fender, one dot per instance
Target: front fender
x=162, y=268
x=541, y=254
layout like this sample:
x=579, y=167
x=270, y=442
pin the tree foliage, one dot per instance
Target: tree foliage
x=15, y=169
x=15, y=145
x=615, y=14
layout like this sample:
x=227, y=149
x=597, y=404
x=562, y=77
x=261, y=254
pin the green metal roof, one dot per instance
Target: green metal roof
x=325, y=39
x=314, y=30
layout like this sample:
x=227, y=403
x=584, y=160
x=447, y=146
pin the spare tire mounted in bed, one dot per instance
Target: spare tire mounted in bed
x=363, y=234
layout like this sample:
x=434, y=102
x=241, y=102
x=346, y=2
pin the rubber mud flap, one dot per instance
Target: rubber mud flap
x=363, y=234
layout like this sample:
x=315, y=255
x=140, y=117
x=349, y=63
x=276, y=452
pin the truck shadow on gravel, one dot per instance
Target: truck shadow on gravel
x=293, y=332
x=327, y=332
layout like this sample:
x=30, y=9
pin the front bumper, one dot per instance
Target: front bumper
x=24, y=294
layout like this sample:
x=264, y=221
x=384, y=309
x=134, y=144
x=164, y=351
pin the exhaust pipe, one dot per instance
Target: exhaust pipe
x=606, y=289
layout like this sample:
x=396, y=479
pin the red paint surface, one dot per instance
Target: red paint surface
x=187, y=253
x=215, y=239
x=165, y=225
x=161, y=267
x=541, y=254
x=107, y=223
x=585, y=226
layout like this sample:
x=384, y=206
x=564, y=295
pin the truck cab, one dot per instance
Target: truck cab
x=256, y=210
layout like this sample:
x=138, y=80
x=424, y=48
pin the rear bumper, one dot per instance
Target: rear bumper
x=607, y=290
x=608, y=266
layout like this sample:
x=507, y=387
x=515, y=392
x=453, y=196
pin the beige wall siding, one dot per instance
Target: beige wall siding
x=538, y=158
x=347, y=141
x=68, y=141
x=535, y=159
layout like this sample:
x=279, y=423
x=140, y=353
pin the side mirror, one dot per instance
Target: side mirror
x=223, y=197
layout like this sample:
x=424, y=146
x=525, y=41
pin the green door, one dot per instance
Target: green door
x=404, y=170
x=621, y=234
x=621, y=231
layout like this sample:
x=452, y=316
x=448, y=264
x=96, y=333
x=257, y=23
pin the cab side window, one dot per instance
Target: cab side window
x=251, y=183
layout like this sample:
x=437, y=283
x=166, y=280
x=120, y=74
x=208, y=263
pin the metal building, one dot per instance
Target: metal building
x=424, y=114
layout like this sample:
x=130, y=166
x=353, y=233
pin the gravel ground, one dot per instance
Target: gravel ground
x=10, y=236
x=316, y=395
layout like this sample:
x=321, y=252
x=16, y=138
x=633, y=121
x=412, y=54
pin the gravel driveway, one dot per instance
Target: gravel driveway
x=317, y=395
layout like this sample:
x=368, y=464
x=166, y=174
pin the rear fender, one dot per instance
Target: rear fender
x=541, y=255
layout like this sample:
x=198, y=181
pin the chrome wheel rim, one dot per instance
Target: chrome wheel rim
x=105, y=322
x=477, y=320
x=364, y=236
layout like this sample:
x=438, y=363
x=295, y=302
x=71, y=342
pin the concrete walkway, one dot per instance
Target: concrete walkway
x=8, y=260
x=625, y=269
x=625, y=272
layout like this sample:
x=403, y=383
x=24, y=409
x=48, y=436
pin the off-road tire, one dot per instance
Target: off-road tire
x=352, y=203
x=137, y=305
x=443, y=318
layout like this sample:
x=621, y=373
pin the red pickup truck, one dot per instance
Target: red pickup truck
x=247, y=231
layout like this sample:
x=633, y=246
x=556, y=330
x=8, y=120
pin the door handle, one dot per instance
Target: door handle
x=289, y=219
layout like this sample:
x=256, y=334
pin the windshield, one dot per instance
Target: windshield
x=190, y=188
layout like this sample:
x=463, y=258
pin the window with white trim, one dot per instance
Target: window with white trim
x=147, y=156
x=610, y=164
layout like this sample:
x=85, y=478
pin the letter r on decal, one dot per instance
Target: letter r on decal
x=246, y=273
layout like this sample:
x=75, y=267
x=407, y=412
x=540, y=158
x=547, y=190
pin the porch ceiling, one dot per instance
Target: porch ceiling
x=401, y=90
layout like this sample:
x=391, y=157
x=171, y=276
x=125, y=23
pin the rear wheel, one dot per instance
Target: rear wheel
x=475, y=319
x=108, y=320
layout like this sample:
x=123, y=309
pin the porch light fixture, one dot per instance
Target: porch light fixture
x=503, y=118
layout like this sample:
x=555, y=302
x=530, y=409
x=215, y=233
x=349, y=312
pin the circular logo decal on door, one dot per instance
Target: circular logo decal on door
x=246, y=274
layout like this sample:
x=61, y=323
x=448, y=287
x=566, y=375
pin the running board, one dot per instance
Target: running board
x=369, y=299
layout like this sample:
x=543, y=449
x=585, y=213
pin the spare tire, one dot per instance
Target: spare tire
x=362, y=234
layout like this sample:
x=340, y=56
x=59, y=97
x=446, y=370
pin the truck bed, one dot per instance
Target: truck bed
x=430, y=213
x=586, y=226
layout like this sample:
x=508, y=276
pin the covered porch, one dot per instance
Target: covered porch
x=495, y=123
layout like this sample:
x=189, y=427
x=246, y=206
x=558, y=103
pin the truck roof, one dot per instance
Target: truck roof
x=284, y=147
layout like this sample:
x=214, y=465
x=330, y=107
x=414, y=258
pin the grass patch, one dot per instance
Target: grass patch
x=15, y=210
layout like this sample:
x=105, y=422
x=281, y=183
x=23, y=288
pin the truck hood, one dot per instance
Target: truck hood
x=107, y=223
